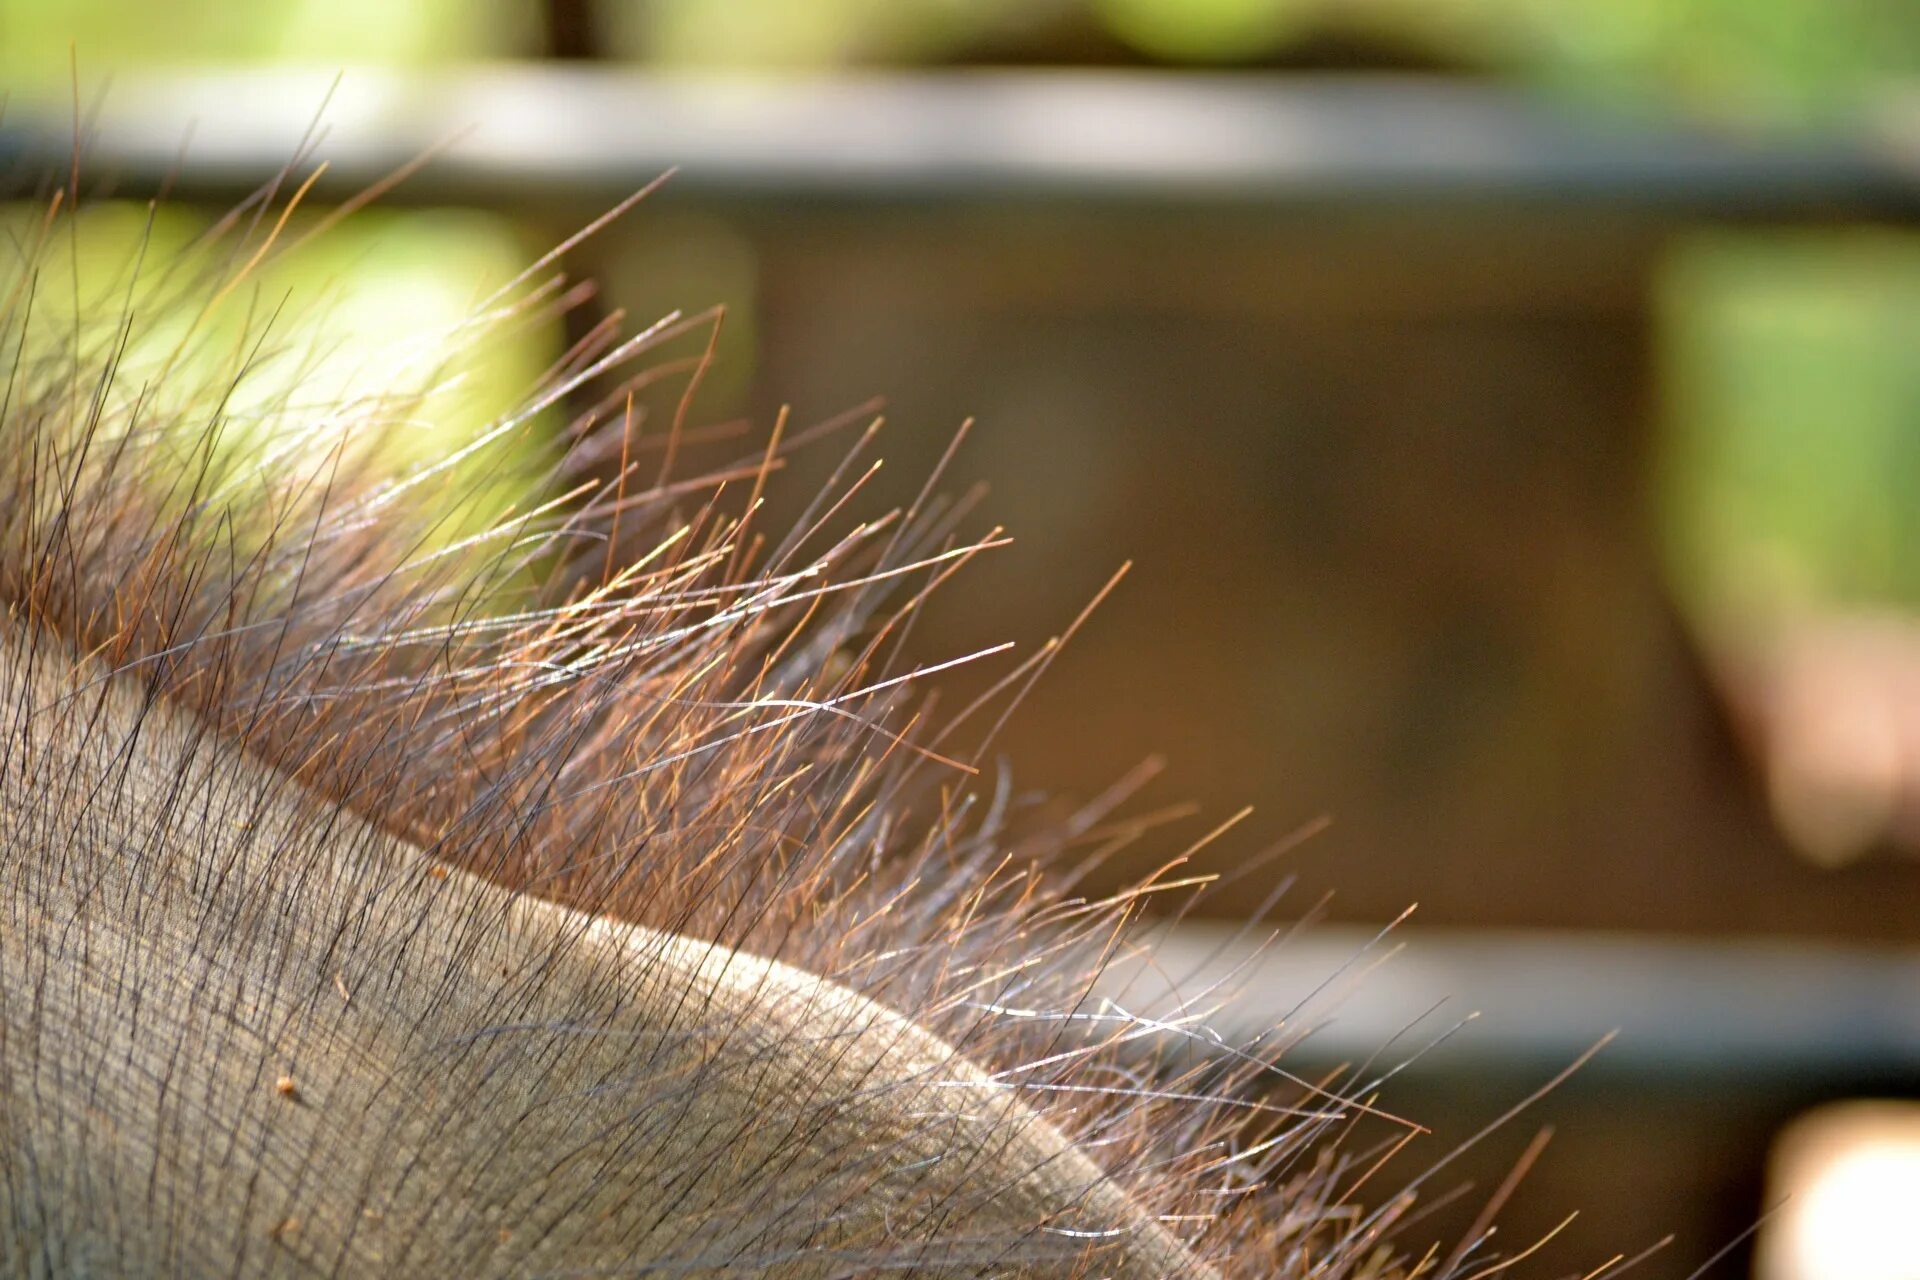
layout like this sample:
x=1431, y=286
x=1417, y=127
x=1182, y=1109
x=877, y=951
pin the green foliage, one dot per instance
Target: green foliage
x=116, y=35
x=1773, y=60
x=1770, y=59
x=1794, y=442
x=362, y=339
x=1203, y=30
x=780, y=34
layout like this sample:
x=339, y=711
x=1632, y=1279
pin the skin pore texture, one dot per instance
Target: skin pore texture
x=200, y=1072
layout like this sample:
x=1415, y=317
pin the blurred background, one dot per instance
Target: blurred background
x=1511, y=407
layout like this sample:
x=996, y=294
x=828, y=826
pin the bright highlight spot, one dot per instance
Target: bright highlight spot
x=1850, y=1174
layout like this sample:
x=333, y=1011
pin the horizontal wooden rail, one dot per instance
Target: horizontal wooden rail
x=1757, y=1009
x=572, y=133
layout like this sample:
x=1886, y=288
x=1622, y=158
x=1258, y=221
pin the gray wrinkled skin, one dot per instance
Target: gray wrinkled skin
x=242, y=1032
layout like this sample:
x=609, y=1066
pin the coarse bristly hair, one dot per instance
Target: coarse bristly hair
x=582, y=890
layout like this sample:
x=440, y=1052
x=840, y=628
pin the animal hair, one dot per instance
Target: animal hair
x=584, y=890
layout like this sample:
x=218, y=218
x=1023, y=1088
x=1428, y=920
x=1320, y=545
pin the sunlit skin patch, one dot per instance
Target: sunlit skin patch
x=590, y=890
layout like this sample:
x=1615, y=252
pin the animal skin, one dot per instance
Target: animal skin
x=587, y=894
x=510, y=1086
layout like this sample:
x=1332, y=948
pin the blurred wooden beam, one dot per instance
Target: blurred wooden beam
x=1756, y=1010
x=591, y=133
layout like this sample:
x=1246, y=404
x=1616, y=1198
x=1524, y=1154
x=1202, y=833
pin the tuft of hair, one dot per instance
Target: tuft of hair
x=578, y=886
